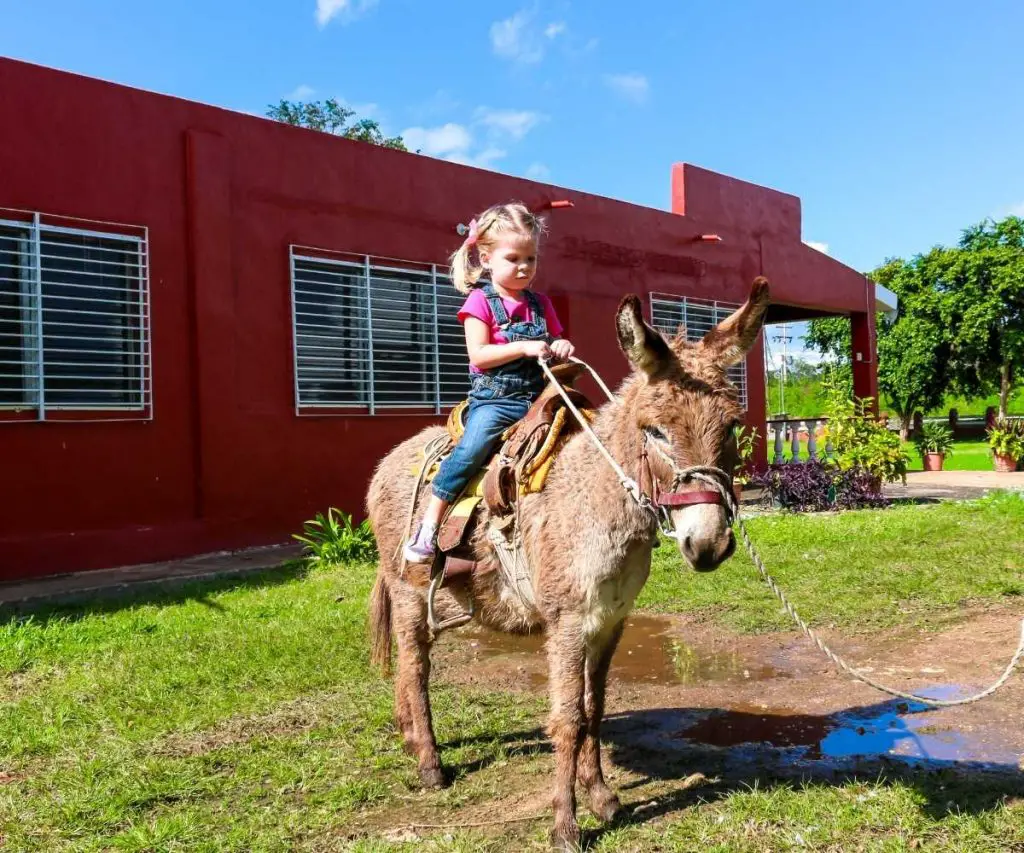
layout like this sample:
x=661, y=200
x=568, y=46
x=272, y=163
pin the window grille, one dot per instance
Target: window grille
x=74, y=319
x=375, y=334
x=698, y=316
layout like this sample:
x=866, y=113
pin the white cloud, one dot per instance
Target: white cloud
x=444, y=141
x=515, y=38
x=482, y=142
x=821, y=247
x=538, y=172
x=633, y=86
x=300, y=93
x=328, y=10
x=367, y=110
x=1017, y=209
x=554, y=29
x=512, y=123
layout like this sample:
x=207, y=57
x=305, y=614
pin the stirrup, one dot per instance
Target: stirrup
x=454, y=621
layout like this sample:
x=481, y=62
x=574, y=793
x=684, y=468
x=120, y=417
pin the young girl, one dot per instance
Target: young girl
x=508, y=327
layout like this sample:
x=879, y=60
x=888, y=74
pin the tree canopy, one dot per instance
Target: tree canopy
x=330, y=116
x=960, y=323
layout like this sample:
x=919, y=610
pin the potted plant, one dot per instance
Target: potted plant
x=934, y=442
x=1006, y=439
x=746, y=441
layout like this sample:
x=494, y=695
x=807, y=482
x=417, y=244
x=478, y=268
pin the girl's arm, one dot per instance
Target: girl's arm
x=484, y=355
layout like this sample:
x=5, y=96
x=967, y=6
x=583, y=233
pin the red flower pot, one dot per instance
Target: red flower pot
x=933, y=461
x=1004, y=464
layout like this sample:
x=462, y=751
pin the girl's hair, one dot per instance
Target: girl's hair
x=514, y=217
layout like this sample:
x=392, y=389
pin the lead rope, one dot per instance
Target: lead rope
x=718, y=480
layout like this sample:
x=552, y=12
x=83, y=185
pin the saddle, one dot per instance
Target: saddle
x=520, y=467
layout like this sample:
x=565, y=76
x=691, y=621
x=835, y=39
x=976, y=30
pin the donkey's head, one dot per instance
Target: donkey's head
x=683, y=404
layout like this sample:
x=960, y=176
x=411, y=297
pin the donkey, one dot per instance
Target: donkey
x=587, y=542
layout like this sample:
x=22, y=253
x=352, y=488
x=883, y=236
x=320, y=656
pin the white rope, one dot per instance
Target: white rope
x=627, y=482
x=717, y=479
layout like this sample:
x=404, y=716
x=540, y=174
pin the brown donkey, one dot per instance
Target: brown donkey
x=586, y=539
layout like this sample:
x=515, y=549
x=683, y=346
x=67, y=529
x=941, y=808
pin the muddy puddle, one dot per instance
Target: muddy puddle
x=651, y=651
x=896, y=731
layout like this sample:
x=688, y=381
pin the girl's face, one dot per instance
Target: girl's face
x=511, y=261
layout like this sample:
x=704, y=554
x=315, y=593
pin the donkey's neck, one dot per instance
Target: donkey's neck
x=617, y=429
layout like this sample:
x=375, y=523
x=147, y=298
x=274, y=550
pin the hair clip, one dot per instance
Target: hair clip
x=471, y=232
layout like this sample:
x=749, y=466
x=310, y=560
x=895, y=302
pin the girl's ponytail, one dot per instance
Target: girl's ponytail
x=464, y=270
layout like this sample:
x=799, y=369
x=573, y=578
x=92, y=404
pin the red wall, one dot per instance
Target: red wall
x=225, y=462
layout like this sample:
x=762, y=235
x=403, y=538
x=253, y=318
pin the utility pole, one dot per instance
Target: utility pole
x=784, y=338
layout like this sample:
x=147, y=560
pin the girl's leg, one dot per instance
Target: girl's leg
x=485, y=422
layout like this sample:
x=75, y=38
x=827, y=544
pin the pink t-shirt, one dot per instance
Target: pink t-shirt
x=476, y=305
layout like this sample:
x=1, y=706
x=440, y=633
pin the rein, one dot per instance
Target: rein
x=720, y=492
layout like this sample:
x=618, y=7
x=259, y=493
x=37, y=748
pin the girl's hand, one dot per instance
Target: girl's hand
x=562, y=349
x=536, y=349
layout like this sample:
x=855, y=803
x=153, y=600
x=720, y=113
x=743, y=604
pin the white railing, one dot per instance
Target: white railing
x=795, y=432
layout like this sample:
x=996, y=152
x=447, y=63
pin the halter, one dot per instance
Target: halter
x=719, y=494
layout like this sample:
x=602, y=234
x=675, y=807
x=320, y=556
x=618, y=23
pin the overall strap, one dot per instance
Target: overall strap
x=497, y=306
x=536, y=310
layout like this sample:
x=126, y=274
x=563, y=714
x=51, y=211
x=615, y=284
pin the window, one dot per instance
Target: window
x=698, y=316
x=74, y=319
x=375, y=334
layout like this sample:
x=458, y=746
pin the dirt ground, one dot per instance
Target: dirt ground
x=689, y=701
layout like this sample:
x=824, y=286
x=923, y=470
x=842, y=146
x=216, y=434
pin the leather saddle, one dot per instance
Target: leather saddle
x=520, y=467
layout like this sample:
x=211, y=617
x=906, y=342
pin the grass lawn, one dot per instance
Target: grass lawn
x=243, y=716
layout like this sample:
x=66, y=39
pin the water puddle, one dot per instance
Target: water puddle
x=896, y=730
x=651, y=651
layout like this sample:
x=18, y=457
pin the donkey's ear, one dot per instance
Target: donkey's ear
x=645, y=348
x=730, y=341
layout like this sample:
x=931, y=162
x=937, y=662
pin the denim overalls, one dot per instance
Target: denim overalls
x=497, y=399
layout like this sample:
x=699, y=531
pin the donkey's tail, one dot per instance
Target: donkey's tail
x=380, y=625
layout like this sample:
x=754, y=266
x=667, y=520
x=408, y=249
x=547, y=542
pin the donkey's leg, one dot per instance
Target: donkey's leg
x=412, y=698
x=603, y=801
x=566, y=660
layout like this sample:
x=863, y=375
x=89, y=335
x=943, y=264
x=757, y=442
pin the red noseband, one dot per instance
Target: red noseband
x=688, y=498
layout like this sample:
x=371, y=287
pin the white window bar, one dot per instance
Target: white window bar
x=374, y=334
x=74, y=318
x=669, y=313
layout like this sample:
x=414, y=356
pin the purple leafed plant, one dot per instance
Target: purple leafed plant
x=819, y=486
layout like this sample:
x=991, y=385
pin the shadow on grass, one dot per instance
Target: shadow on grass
x=883, y=743
x=165, y=591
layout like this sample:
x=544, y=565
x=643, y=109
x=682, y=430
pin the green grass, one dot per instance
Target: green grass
x=863, y=570
x=243, y=715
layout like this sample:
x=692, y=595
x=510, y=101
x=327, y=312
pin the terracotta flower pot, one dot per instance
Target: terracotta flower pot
x=737, y=490
x=1004, y=464
x=933, y=461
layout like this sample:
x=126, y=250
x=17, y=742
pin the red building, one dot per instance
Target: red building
x=213, y=325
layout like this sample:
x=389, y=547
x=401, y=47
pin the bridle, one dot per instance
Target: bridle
x=717, y=491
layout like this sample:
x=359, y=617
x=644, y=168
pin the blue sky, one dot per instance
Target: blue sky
x=896, y=123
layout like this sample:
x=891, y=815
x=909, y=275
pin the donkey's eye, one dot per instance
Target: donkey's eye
x=656, y=433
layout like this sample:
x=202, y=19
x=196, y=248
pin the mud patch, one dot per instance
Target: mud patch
x=782, y=743
x=652, y=651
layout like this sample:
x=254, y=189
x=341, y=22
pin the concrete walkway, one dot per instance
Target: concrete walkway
x=110, y=583
x=953, y=485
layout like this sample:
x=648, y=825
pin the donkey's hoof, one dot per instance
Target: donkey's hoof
x=432, y=777
x=566, y=841
x=607, y=808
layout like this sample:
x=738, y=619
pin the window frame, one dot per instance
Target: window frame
x=132, y=304
x=720, y=310
x=437, y=347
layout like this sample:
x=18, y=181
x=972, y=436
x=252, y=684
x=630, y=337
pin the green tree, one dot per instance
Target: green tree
x=913, y=350
x=331, y=117
x=983, y=308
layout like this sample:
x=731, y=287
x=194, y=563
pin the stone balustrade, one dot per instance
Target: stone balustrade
x=792, y=431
